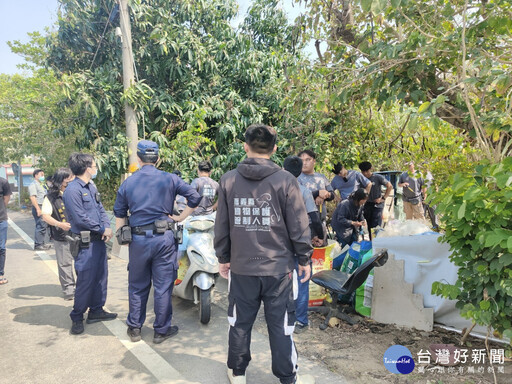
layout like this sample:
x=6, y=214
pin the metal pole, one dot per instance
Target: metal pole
x=128, y=80
x=20, y=181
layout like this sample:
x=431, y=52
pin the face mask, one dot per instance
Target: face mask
x=41, y=178
x=93, y=175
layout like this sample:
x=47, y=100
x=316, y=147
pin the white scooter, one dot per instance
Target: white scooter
x=198, y=264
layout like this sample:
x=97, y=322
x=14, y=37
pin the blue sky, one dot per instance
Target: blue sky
x=19, y=17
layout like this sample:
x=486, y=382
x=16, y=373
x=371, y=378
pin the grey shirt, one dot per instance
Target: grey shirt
x=316, y=182
x=36, y=189
x=378, y=181
x=308, y=199
x=208, y=189
x=5, y=190
x=354, y=181
x=411, y=194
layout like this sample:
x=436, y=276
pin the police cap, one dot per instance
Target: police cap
x=147, y=147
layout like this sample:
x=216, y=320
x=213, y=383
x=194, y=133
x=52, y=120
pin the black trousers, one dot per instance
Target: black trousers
x=431, y=213
x=245, y=296
x=373, y=214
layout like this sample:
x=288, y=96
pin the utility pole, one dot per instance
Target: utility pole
x=128, y=80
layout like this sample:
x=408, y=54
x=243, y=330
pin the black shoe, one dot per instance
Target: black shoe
x=134, y=334
x=77, y=327
x=299, y=328
x=69, y=297
x=159, y=337
x=100, y=316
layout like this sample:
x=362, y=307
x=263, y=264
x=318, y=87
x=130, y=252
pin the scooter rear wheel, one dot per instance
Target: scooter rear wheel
x=205, y=305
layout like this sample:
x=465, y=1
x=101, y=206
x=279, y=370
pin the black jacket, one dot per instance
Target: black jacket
x=59, y=214
x=342, y=218
x=261, y=220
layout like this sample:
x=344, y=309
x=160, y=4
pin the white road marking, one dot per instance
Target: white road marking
x=155, y=363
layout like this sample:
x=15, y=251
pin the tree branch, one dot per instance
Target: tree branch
x=416, y=26
x=476, y=124
x=320, y=57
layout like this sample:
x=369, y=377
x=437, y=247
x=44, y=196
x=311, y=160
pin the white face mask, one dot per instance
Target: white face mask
x=93, y=175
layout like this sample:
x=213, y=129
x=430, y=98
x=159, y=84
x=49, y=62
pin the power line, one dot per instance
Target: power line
x=103, y=34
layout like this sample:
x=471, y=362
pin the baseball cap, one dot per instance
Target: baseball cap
x=147, y=147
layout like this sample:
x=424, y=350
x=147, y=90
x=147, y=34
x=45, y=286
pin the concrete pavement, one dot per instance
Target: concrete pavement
x=37, y=346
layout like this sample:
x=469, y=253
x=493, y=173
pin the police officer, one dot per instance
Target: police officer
x=149, y=196
x=88, y=217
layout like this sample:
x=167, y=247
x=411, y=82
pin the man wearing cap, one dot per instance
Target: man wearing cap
x=90, y=223
x=149, y=196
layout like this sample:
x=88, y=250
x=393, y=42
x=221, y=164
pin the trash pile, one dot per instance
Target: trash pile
x=403, y=228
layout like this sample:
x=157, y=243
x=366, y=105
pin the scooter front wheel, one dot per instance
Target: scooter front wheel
x=204, y=305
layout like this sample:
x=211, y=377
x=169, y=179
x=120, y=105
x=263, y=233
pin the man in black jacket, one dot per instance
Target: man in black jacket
x=260, y=230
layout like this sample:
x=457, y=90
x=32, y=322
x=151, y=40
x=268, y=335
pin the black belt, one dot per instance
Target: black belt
x=94, y=236
x=142, y=229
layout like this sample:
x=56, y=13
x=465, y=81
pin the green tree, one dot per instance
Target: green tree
x=30, y=109
x=449, y=59
x=477, y=210
x=397, y=73
x=360, y=129
x=201, y=81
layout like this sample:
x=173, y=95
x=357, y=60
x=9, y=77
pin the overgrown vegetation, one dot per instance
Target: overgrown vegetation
x=477, y=212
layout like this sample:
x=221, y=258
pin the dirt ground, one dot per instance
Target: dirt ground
x=356, y=352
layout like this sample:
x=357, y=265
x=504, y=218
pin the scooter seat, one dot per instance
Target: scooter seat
x=332, y=280
x=200, y=225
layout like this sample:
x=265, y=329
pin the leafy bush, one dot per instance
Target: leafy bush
x=477, y=213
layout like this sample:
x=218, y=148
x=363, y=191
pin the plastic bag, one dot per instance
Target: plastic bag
x=353, y=258
x=404, y=228
x=183, y=265
x=363, y=299
x=352, y=261
x=321, y=260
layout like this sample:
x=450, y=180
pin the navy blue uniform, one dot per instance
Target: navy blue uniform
x=149, y=195
x=86, y=213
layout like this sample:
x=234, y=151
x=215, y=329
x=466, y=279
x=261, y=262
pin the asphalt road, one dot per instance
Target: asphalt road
x=38, y=348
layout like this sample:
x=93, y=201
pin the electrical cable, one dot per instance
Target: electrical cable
x=102, y=35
